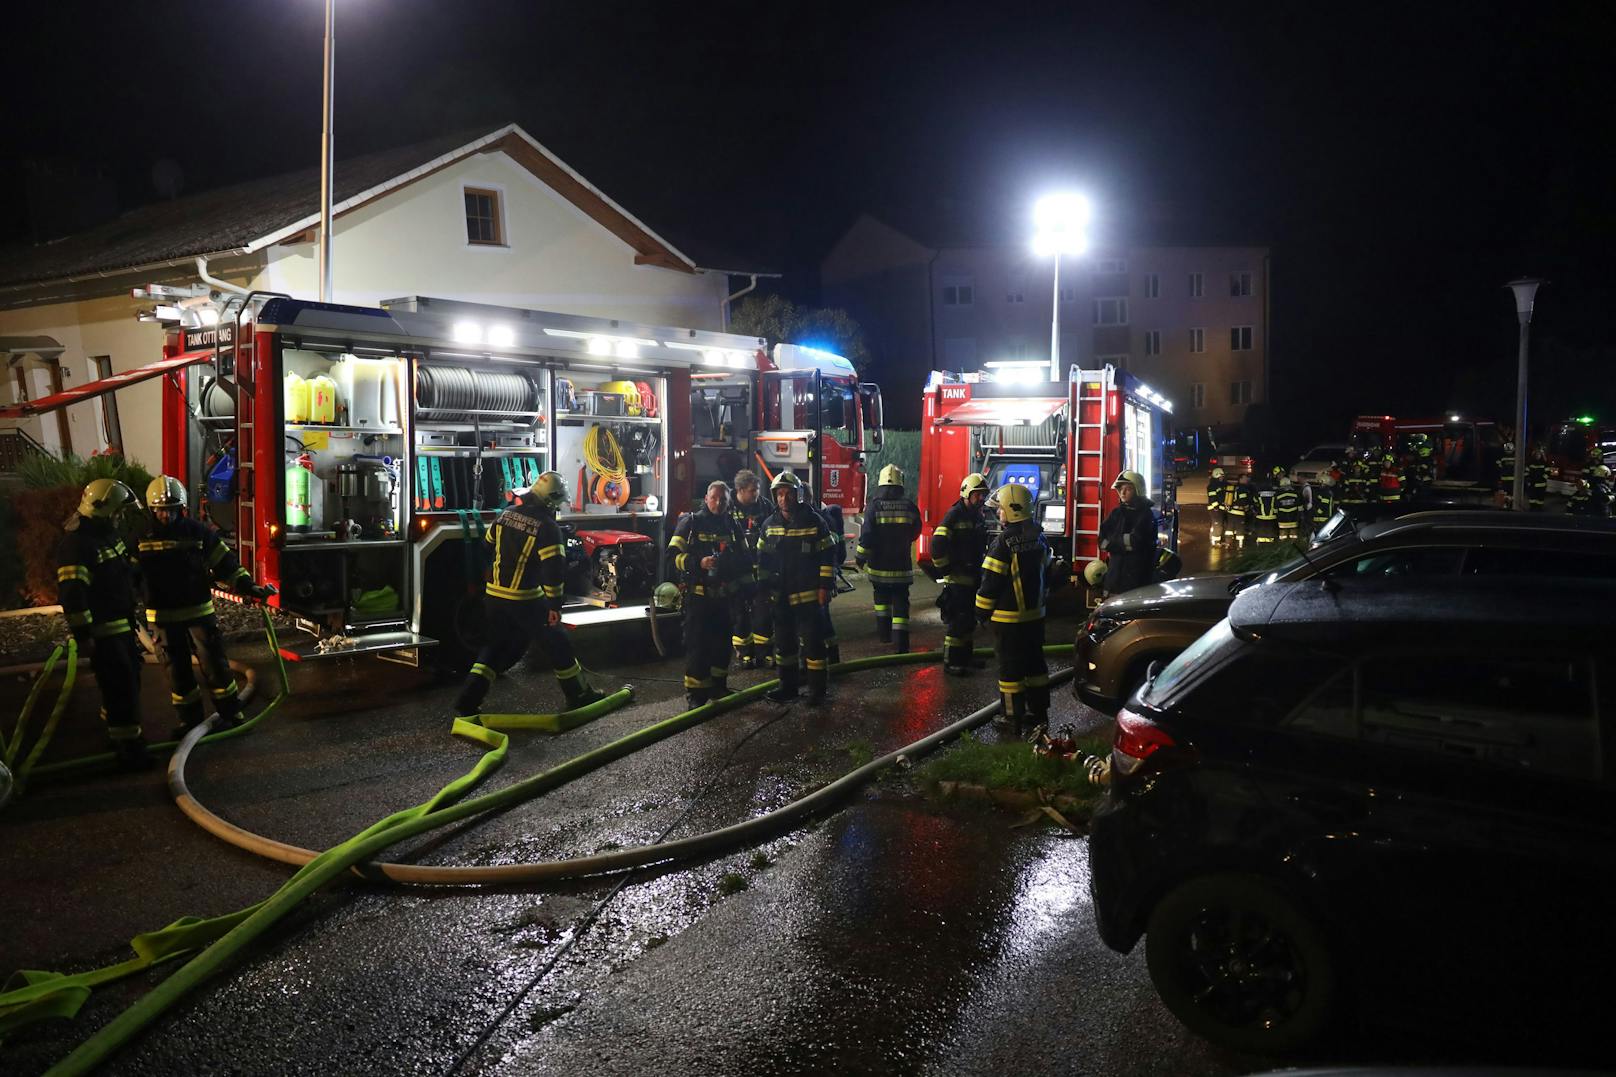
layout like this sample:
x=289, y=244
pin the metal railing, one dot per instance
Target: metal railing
x=17, y=446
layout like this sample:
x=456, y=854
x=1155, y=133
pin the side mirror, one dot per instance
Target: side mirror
x=870, y=405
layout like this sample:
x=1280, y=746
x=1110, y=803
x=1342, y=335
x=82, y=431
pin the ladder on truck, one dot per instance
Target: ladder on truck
x=1091, y=391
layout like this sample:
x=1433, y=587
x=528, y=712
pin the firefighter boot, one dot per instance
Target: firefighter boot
x=468, y=704
x=131, y=753
x=743, y=652
x=833, y=652
x=956, y=657
x=786, y=690
x=763, y=652
x=720, y=687
x=883, y=624
x=577, y=689
x=900, y=635
x=696, y=697
x=817, y=679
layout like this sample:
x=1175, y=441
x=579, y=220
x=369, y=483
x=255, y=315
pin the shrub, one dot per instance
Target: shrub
x=49, y=497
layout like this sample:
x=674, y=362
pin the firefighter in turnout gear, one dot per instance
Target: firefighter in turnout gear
x=1288, y=507
x=181, y=559
x=1504, y=489
x=795, y=567
x=1237, y=513
x=885, y=553
x=1321, y=501
x=1265, y=515
x=1012, y=597
x=1393, y=483
x=1537, y=480
x=1215, y=487
x=95, y=582
x=1128, y=536
x=708, y=560
x=957, y=547
x=1355, y=486
x=751, y=630
x=523, y=596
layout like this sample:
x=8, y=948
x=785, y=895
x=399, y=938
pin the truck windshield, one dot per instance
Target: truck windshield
x=838, y=411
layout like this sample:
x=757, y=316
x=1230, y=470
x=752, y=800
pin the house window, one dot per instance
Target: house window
x=1110, y=265
x=1240, y=338
x=1068, y=295
x=1152, y=286
x=1152, y=341
x=1197, y=341
x=485, y=224
x=1111, y=311
x=1016, y=294
x=1198, y=395
x=1240, y=392
x=1197, y=285
x=958, y=294
x=1239, y=284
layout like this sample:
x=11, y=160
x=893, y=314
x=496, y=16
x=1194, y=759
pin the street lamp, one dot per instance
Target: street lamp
x=1525, y=290
x=1059, y=220
x=327, y=115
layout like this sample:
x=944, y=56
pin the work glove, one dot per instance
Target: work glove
x=930, y=570
x=259, y=591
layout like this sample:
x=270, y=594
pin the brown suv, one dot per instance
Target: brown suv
x=1125, y=634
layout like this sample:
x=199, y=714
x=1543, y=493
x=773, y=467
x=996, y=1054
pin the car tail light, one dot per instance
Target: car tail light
x=1137, y=739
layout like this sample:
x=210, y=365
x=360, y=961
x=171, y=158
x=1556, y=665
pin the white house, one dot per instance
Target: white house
x=495, y=218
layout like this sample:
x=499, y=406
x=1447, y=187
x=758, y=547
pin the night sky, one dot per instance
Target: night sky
x=1403, y=161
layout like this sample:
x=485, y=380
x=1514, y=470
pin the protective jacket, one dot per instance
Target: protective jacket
x=704, y=534
x=795, y=559
x=958, y=545
x=95, y=579
x=886, y=541
x=1323, y=503
x=1288, y=506
x=749, y=521
x=1214, y=492
x=1013, y=583
x=1238, y=501
x=1128, y=535
x=529, y=556
x=181, y=561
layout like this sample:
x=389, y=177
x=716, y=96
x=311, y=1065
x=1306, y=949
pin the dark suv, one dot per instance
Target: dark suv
x=1124, y=635
x=1393, y=797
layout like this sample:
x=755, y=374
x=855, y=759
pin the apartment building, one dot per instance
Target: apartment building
x=1190, y=321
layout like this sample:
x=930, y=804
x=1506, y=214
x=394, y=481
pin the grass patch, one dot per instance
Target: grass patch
x=860, y=752
x=760, y=860
x=731, y=882
x=1015, y=766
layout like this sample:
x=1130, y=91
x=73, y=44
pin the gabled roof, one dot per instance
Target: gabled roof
x=250, y=216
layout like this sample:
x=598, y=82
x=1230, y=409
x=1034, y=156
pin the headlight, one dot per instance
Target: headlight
x=1100, y=627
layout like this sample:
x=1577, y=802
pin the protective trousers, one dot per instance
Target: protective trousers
x=1023, y=672
x=512, y=625
x=892, y=615
x=1216, y=514
x=116, y=662
x=707, y=648
x=752, y=627
x=801, y=626
x=176, y=642
x=958, y=607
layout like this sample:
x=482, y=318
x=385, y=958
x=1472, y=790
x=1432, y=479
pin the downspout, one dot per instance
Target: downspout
x=734, y=296
x=214, y=282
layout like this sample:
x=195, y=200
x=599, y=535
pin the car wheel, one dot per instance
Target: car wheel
x=1241, y=963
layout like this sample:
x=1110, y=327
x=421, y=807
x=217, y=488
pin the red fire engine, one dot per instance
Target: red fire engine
x=1570, y=444
x=1464, y=451
x=1065, y=441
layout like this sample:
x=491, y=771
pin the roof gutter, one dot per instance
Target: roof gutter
x=103, y=274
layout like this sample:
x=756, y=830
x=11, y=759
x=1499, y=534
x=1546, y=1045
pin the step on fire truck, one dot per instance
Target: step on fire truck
x=1065, y=441
x=353, y=455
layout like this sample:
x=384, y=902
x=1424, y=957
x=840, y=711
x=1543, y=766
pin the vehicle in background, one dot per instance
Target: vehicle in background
x=1465, y=451
x=1125, y=634
x=1192, y=449
x=1234, y=458
x=1367, y=797
x=1567, y=450
x=1317, y=461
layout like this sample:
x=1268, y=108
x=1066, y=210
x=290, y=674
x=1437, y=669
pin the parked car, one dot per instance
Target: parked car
x=1125, y=634
x=1316, y=461
x=1394, y=799
x=1234, y=458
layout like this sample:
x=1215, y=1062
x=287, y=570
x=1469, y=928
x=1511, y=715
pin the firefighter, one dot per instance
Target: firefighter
x=708, y=560
x=1599, y=491
x=1321, y=501
x=1214, y=503
x=1391, y=484
x=1265, y=515
x=1537, y=480
x=1128, y=536
x=1012, y=597
x=1504, y=488
x=885, y=553
x=1422, y=470
x=750, y=628
x=1354, y=486
x=795, y=567
x=95, y=583
x=957, y=547
x=827, y=625
x=1237, y=510
x=522, y=597
x=181, y=558
x=1288, y=508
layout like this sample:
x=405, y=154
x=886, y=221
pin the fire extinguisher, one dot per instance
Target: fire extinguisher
x=299, y=504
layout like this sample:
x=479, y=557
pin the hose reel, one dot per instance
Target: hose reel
x=461, y=394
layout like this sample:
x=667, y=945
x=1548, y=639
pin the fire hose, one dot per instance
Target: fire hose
x=220, y=938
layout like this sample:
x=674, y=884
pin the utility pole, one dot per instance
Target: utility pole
x=327, y=114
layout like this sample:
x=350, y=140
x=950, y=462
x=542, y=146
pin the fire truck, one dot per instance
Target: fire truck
x=353, y=455
x=1065, y=441
x=1568, y=449
x=1465, y=451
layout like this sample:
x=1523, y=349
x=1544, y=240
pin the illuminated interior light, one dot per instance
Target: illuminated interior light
x=501, y=336
x=600, y=345
x=468, y=333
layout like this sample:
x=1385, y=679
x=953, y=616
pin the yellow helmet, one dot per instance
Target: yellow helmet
x=548, y=490
x=891, y=475
x=165, y=492
x=1134, y=478
x=787, y=479
x=1015, y=503
x=103, y=498
x=1217, y=473
x=971, y=483
x=1094, y=572
x=629, y=391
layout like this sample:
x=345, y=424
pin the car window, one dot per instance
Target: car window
x=1171, y=677
x=1328, y=709
x=1413, y=561
x=1498, y=561
x=1260, y=685
x=1531, y=713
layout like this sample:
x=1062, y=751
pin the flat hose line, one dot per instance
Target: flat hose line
x=619, y=860
x=220, y=938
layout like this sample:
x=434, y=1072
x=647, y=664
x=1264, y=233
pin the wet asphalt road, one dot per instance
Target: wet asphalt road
x=896, y=935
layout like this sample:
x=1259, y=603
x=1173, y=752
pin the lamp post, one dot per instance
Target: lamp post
x=326, y=116
x=1525, y=290
x=1059, y=220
